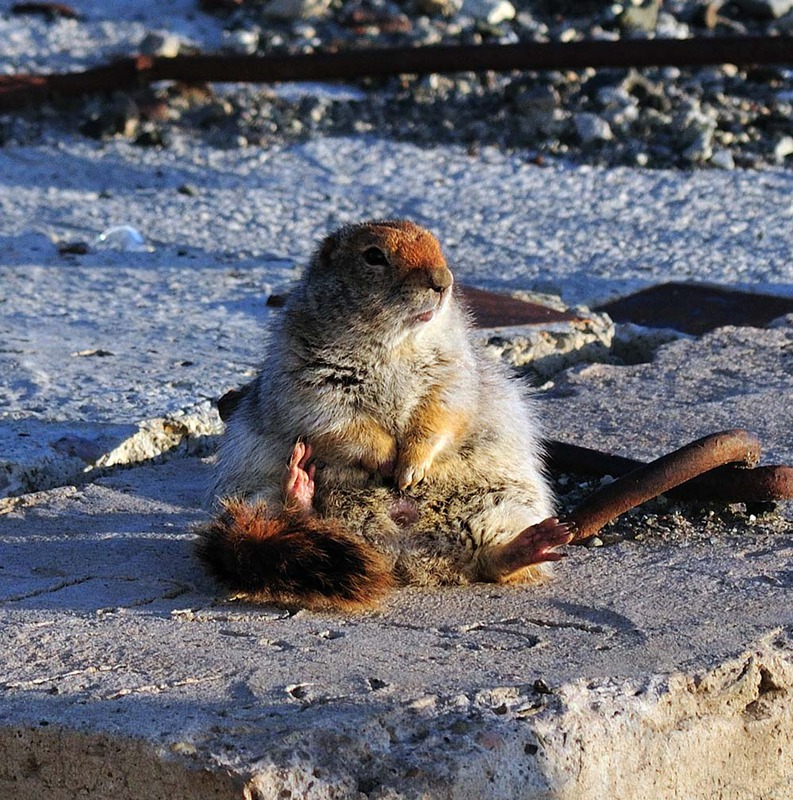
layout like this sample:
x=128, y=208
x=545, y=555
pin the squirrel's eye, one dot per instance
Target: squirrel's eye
x=374, y=256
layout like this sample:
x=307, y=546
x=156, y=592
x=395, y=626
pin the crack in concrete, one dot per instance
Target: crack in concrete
x=47, y=590
x=579, y=626
x=157, y=688
x=34, y=682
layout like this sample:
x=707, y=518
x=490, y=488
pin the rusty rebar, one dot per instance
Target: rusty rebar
x=19, y=90
x=729, y=483
x=607, y=503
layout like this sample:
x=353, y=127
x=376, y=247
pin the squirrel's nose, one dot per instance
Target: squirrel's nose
x=439, y=278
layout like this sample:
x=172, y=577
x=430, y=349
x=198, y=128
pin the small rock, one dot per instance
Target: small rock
x=642, y=16
x=595, y=541
x=591, y=128
x=491, y=11
x=765, y=9
x=77, y=248
x=160, y=43
x=668, y=26
x=701, y=149
x=723, y=159
x=244, y=42
x=615, y=96
x=119, y=118
x=533, y=99
x=431, y=8
x=151, y=137
x=783, y=148
x=296, y=9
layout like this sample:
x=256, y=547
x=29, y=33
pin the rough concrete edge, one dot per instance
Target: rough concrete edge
x=726, y=732
x=189, y=431
x=549, y=348
x=723, y=732
x=60, y=764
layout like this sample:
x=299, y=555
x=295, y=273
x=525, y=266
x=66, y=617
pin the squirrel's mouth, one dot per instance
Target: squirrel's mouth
x=437, y=304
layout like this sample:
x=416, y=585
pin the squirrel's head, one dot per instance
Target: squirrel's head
x=389, y=271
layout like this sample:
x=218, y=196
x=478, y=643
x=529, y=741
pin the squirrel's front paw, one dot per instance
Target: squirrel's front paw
x=409, y=472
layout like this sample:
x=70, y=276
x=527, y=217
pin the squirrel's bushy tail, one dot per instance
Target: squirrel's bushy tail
x=292, y=558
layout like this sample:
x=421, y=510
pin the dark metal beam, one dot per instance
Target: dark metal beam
x=17, y=91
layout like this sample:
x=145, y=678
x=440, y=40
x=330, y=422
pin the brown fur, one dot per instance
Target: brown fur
x=363, y=440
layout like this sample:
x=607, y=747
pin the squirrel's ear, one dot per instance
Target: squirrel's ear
x=326, y=249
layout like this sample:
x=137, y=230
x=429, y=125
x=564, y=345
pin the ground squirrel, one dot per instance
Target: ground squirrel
x=379, y=445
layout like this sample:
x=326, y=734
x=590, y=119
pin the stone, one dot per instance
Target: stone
x=701, y=149
x=160, y=43
x=783, y=148
x=491, y=11
x=295, y=9
x=722, y=159
x=639, y=16
x=242, y=41
x=432, y=8
x=538, y=109
x=591, y=128
x=773, y=9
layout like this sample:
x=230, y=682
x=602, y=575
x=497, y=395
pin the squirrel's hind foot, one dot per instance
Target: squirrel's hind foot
x=533, y=546
x=299, y=480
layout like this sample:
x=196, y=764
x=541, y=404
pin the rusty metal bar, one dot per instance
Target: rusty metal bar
x=20, y=90
x=659, y=476
x=564, y=457
x=764, y=484
x=729, y=483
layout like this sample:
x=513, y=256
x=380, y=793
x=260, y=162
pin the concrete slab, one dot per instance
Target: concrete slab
x=656, y=666
x=731, y=378
x=119, y=647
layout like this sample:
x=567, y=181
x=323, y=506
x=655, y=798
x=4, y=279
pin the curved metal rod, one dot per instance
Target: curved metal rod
x=726, y=447
x=731, y=483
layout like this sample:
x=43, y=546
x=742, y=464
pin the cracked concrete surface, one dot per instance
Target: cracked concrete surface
x=123, y=660
x=657, y=666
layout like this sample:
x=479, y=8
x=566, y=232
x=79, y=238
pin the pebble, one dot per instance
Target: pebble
x=595, y=541
x=244, y=42
x=295, y=9
x=491, y=11
x=433, y=8
x=722, y=159
x=773, y=9
x=592, y=128
x=160, y=43
x=640, y=16
x=700, y=150
x=783, y=148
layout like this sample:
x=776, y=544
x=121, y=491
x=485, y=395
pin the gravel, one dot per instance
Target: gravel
x=722, y=117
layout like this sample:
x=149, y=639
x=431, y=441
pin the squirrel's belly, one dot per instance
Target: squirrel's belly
x=404, y=511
